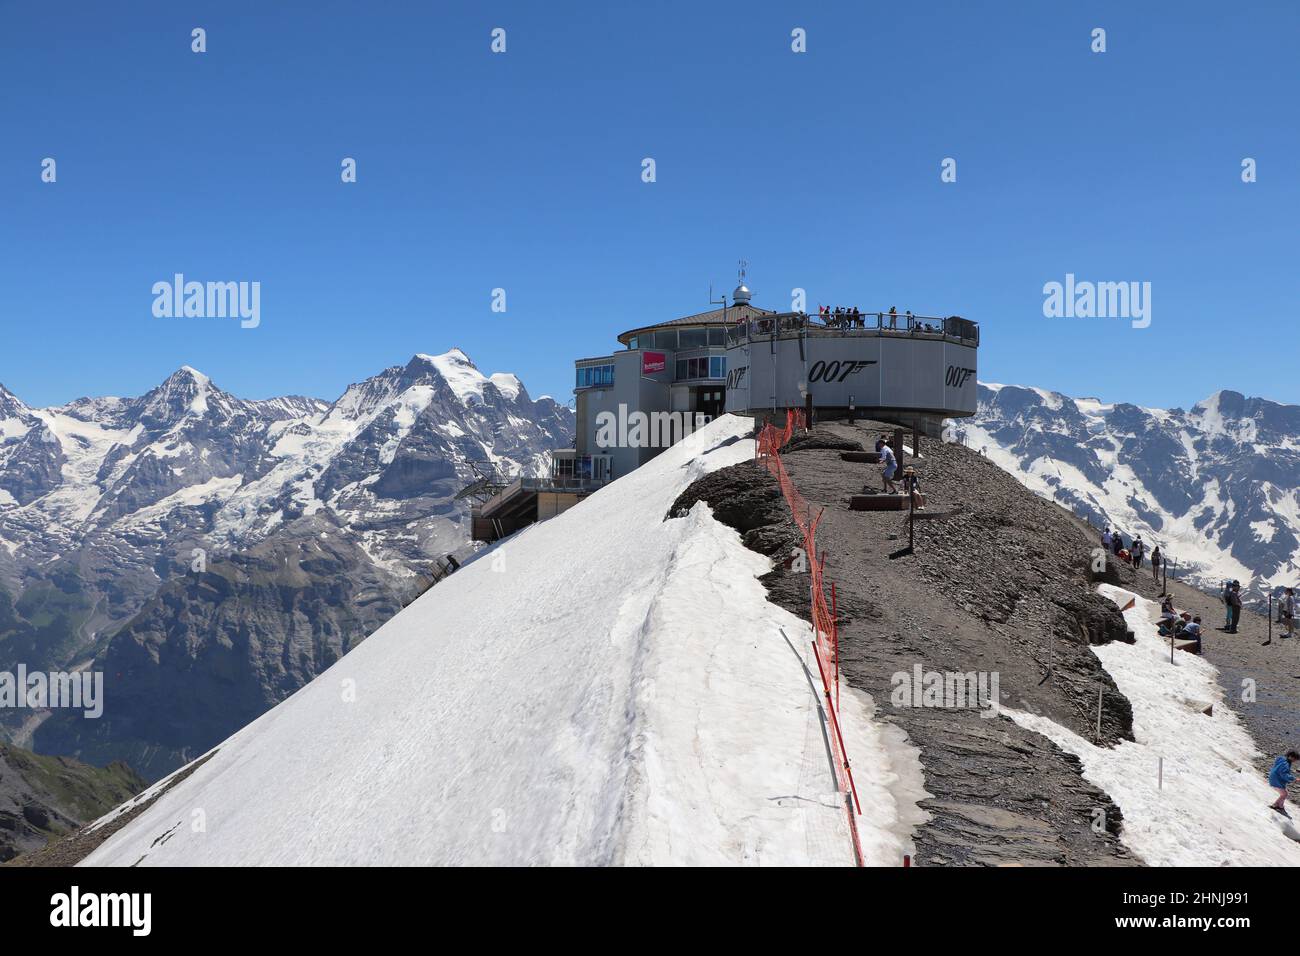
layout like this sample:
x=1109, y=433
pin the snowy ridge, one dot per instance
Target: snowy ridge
x=1213, y=807
x=1217, y=487
x=560, y=699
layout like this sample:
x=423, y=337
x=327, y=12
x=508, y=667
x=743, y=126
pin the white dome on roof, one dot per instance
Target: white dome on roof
x=740, y=296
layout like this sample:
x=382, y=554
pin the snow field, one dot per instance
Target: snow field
x=604, y=688
x=1212, y=809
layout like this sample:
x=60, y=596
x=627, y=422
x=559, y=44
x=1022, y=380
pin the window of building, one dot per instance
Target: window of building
x=693, y=338
x=703, y=366
x=717, y=336
x=591, y=375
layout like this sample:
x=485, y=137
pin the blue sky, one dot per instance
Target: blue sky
x=523, y=171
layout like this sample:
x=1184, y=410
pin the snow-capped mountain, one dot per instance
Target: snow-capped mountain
x=189, y=457
x=1216, y=486
x=113, y=505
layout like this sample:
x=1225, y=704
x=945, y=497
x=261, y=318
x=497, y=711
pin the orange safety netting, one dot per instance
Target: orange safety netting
x=826, y=642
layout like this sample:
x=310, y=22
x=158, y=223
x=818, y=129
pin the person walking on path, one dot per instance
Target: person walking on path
x=1287, y=612
x=1137, y=551
x=1280, y=776
x=1155, y=562
x=1107, y=539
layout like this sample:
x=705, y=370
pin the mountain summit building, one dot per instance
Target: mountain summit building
x=671, y=377
x=911, y=370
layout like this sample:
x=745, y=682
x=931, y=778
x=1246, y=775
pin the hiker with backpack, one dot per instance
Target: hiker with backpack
x=1137, y=551
x=1155, y=562
x=1288, y=612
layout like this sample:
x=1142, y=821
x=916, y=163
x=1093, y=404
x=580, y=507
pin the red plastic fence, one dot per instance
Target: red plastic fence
x=826, y=642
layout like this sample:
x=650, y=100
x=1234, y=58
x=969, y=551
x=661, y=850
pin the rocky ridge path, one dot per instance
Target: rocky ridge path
x=1002, y=588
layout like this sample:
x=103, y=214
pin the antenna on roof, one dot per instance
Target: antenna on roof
x=721, y=300
x=741, y=295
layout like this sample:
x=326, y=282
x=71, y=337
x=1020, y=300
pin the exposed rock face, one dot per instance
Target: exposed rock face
x=43, y=797
x=1215, y=486
x=216, y=649
x=107, y=504
x=1003, y=587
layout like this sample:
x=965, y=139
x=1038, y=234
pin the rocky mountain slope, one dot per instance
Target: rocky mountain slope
x=1216, y=486
x=45, y=797
x=317, y=516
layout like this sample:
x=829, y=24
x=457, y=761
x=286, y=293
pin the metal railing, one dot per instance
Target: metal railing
x=952, y=327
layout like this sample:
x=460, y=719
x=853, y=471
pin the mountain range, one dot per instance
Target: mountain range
x=1216, y=486
x=212, y=554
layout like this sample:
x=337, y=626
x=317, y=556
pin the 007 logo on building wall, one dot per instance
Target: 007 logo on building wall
x=957, y=376
x=652, y=362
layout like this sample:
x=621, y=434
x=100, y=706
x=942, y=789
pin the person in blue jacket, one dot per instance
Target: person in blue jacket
x=1281, y=775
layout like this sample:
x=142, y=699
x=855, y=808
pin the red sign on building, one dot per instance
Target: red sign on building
x=652, y=362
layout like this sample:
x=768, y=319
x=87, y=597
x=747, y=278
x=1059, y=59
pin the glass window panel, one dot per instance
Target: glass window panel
x=693, y=338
